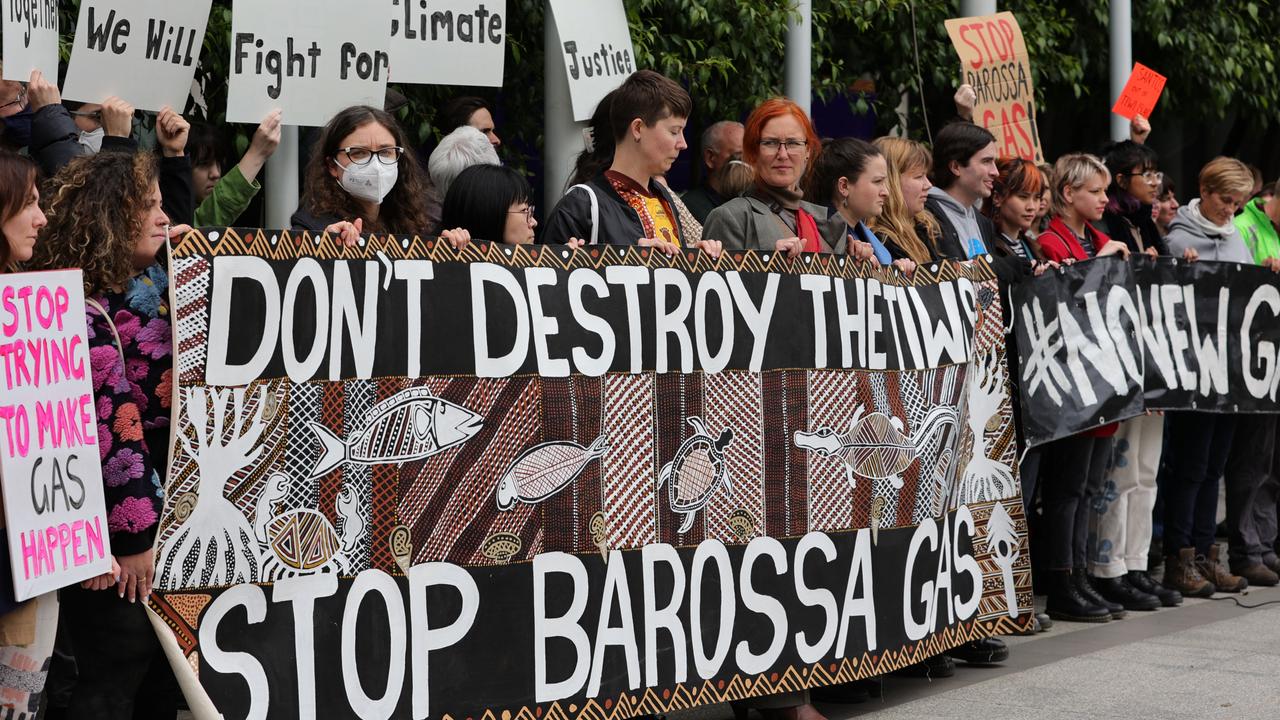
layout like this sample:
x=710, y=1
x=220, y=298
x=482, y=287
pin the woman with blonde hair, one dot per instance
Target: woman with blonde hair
x=908, y=231
x=1199, y=444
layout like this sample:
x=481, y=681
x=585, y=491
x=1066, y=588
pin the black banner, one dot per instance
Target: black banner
x=1108, y=339
x=444, y=640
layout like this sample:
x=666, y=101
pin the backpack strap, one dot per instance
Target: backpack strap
x=97, y=306
x=595, y=210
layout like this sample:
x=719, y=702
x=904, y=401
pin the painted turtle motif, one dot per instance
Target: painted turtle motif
x=303, y=541
x=695, y=472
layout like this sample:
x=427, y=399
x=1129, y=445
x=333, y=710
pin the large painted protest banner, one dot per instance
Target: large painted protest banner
x=54, y=508
x=532, y=482
x=1109, y=339
x=995, y=62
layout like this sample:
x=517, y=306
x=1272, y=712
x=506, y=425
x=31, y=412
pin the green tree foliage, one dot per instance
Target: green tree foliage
x=1220, y=58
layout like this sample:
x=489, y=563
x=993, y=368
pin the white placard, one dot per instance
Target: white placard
x=30, y=39
x=449, y=42
x=596, y=45
x=311, y=58
x=142, y=51
x=50, y=467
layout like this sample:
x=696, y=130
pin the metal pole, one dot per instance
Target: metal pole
x=562, y=135
x=1121, y=60
x=972, y=8
x=799, y=59
x=282, y=180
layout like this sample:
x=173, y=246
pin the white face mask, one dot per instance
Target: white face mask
x=92, y=140
x=371, y=181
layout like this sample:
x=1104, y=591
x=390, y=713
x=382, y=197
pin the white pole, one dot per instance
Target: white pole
x=563, y=137
x=799, y=59
x=282, y=180
x=973, y=8
x=1121, y=60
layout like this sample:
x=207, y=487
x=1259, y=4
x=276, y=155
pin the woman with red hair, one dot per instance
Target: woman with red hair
x=781, y=146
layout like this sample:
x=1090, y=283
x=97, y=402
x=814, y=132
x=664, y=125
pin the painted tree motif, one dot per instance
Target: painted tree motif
x=1002, y=543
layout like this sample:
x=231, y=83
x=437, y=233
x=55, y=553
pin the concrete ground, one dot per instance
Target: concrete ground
x=1205, y=659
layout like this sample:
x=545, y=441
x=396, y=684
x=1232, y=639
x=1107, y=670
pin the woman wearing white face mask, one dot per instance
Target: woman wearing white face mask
x=362, y=178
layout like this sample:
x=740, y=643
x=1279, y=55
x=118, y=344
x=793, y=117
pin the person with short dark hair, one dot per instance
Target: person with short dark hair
x=964, y=170
x=1135, y=180
x=1166, y=208
x=491, y=202
x=626, y=204
x=222, y=199
x=721, y=143
x=469, y=110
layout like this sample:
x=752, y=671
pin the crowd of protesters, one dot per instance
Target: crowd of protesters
x=77, y=190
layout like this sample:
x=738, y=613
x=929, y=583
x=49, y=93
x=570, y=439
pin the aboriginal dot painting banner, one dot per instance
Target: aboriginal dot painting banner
x=414, y=482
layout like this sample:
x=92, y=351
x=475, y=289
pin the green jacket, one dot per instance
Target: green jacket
x=230, y=196
x=1258, y=231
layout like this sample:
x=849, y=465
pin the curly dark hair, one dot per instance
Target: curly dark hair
x=404, y=209
x=96, y=207
x=17, y=183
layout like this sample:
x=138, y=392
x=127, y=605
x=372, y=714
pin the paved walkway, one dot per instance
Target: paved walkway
x=1206, y=659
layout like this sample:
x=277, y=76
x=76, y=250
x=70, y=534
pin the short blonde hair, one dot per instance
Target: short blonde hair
x=1226, y=175
x=1074, y=171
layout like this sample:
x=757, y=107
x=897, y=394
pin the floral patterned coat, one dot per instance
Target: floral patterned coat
x=131, y=397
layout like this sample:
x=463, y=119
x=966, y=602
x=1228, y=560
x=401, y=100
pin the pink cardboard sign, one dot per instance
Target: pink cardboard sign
x=50, y=467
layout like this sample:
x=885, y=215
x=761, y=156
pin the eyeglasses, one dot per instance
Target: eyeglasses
x=772, y=145
x=95, y=116
x=20, y=101
x=1151, y=176
x=527, y=213
x=362, y=155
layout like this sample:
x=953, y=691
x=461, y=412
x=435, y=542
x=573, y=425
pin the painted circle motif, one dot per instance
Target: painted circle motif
x=183, y=505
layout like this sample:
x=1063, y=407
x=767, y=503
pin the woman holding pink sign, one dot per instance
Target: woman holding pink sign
x=105, y=217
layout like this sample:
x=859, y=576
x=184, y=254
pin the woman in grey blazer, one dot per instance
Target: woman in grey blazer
x=780, y=144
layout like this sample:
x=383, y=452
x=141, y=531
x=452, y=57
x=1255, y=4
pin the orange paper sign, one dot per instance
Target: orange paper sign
x=1141, y=93
x=994, y=60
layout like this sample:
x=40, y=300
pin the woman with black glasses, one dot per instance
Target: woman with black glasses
x=362, y=178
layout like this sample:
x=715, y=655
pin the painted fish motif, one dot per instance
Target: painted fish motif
x=695, y=472
x=546, y=469
x=411, y=425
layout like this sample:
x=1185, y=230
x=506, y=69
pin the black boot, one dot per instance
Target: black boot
x=1144, y=582
x=986, y=651
x=1067, y=603
x=937, y=666
x=1081, y=579
x=1118, y=590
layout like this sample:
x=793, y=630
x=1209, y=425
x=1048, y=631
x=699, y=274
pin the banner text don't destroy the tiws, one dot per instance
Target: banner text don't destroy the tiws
x=419, y=317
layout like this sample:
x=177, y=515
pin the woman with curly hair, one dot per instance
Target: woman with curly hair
x=363, y=177
x=105, y=218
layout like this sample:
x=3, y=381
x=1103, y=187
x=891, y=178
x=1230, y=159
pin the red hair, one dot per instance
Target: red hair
x=776, y=108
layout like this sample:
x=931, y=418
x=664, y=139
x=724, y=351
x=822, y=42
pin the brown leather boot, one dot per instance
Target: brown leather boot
x=1221, y=578
x=1181, y=574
